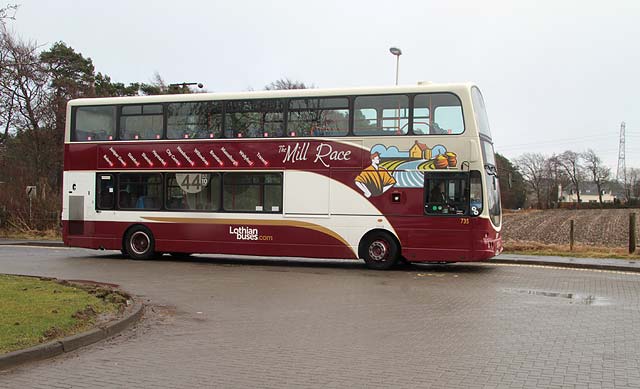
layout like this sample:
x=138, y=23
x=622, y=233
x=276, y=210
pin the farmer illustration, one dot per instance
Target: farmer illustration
x=374, y=180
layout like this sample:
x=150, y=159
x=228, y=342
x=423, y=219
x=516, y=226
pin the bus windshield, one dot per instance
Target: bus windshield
x=480, y=112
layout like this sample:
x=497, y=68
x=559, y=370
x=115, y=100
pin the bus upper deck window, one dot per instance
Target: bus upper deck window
x=141, y=122
x=318, y=117
x=437, y=114
x=94, y=123
x=381, y=115
x=254, y=118
x=196, y=120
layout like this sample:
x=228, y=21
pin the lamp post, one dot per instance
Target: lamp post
x=186, y=84
x=397, y=52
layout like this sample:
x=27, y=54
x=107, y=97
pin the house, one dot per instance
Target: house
x=420, y=151
x=588, y=193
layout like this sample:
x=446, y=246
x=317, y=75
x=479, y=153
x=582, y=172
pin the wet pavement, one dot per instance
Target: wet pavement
x=594, y=263
x=578, y=262
x=31, y=242
x=279, y=323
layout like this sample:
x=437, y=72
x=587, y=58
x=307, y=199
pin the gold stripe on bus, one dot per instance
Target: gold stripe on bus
x=251, y=222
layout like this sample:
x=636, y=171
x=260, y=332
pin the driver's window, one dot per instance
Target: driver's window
x=447, y=194
x=475, y=193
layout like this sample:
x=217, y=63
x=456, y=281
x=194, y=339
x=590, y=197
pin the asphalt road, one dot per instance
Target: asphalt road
x=254, y=323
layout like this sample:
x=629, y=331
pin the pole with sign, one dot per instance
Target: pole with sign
x=31, y=193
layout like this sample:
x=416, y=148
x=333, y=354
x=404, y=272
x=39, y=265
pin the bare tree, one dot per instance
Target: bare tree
x=286, y=83
x=554, y=180
x=632, y=189
x=532, y=167
x=598, y=172
x=23, y=84
x=570, y=162
x=30, y=154
x=8, y=12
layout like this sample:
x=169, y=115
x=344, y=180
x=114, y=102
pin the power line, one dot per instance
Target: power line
x=581, y=139
x=552, y=142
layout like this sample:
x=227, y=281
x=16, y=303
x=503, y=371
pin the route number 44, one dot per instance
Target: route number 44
x=192, y=183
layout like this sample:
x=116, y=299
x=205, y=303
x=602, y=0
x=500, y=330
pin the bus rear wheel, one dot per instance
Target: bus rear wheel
x=380, y=251
x=139, y=243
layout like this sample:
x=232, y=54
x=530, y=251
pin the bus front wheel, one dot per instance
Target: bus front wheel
x=139, y=243
x=380, y=251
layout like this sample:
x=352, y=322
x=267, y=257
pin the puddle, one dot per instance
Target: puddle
x=574, y=298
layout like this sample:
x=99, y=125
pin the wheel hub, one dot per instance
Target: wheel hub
x=140, y=242
x=379, y=251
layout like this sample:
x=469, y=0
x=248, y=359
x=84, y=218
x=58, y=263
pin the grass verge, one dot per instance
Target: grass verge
x=534, y=248
x=53, y=234
x=37, y=310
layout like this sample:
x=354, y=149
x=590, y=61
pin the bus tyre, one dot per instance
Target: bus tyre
x=381, y=252
x=139, y=243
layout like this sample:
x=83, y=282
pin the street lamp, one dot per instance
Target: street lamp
x=397, y=52
x=185, y=84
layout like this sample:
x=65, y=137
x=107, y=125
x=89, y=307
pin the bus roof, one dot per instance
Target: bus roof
x=420, y=88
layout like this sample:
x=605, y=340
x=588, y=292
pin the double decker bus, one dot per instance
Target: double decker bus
x=403, y=173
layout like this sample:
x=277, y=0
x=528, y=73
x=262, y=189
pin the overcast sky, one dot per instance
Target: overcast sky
x=555, y=75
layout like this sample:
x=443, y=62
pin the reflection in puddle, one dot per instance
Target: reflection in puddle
x=573, y=297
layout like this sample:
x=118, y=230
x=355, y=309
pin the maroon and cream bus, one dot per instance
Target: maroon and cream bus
x=381, y=174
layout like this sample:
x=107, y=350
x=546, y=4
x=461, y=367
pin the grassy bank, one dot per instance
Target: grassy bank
x=34, y=310
x=31, y=235
x=564, y=250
